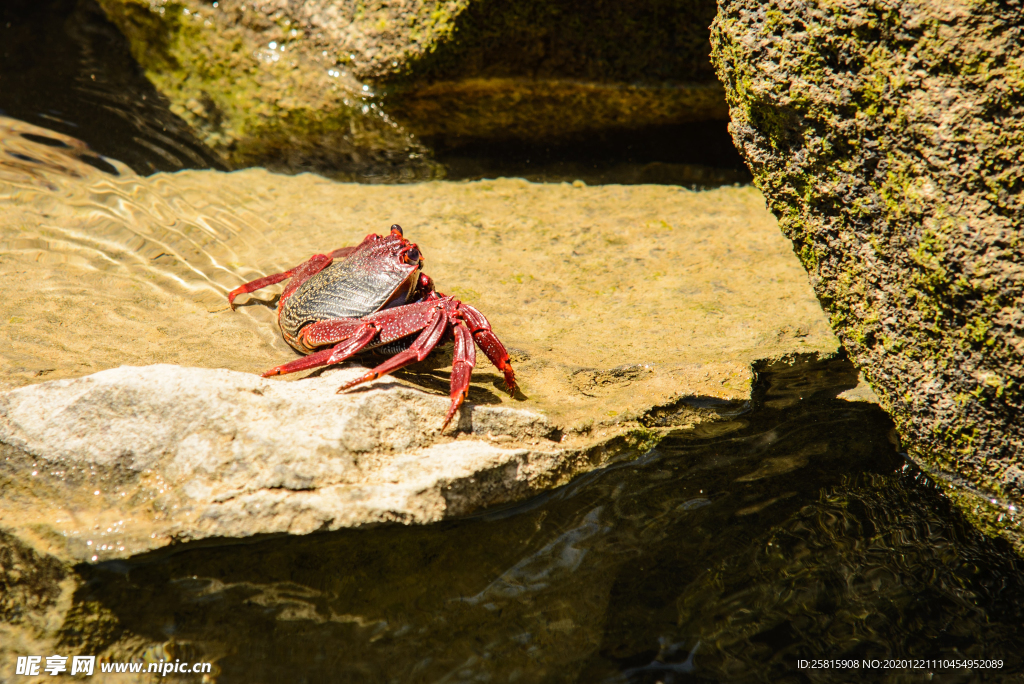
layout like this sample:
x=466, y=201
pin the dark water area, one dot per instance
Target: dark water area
x=65, y=67
x=793, y=529
x=697, y=154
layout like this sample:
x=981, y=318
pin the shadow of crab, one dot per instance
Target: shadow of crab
x=438, y=382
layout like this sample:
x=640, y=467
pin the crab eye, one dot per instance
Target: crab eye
x=412, y=256
x=395, y=228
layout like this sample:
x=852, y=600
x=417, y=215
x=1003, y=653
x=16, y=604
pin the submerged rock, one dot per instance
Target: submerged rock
x=887, y=139
x=628, y=312
x=348, y=88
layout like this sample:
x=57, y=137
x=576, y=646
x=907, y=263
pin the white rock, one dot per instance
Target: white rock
x=131, y=458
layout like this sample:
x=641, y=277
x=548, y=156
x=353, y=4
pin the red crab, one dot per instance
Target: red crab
x=373, y=296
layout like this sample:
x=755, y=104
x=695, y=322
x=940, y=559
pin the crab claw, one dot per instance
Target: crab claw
x=432, y=330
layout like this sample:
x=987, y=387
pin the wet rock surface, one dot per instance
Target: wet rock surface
x=629, y=312
x=350, y=89
x=887, y=140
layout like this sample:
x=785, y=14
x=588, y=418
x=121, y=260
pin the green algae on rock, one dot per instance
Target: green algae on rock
x=887, y=139
x=260, y=92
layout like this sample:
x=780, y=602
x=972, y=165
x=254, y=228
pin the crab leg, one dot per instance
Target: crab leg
x=462, y=368
x=304, y=270
x=393, y=324
x=258, y=284
x=490, y=344
x=350, y=335
x=326, y=357
x=420, y=348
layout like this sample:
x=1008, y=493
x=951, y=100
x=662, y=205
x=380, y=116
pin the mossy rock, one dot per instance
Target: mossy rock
x=259, y=93
x=887, y=140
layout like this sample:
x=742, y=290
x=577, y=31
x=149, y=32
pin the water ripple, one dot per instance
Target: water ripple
x=115, y=253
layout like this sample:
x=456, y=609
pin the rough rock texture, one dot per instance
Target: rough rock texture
x=131, y=459
x=345, y=88
x=262, y=86
x=887, y=138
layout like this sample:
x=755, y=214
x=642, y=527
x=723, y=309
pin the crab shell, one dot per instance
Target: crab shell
x=380, y=273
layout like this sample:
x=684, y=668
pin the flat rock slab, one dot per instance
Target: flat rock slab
x=615, y=302
x=130, y=459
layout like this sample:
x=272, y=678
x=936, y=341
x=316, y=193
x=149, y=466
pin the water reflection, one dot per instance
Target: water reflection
x=119, y=221
x=104, y=267
x=801, y=534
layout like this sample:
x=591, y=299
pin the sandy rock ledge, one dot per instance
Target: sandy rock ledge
x=628, y=311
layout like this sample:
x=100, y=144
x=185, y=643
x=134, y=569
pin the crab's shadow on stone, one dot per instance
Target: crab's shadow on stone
x=254, y=301
x=439, y=382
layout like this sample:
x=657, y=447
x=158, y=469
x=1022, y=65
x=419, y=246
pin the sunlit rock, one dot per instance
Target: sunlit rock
x=629, y=312
x=130, y=459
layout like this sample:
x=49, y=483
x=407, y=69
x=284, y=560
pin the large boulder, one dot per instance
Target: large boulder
x=887, y=139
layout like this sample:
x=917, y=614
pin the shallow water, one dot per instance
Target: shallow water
x=793, y=530
x=103, y=267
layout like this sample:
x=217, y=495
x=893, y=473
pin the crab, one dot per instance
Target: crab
x=375, y=297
